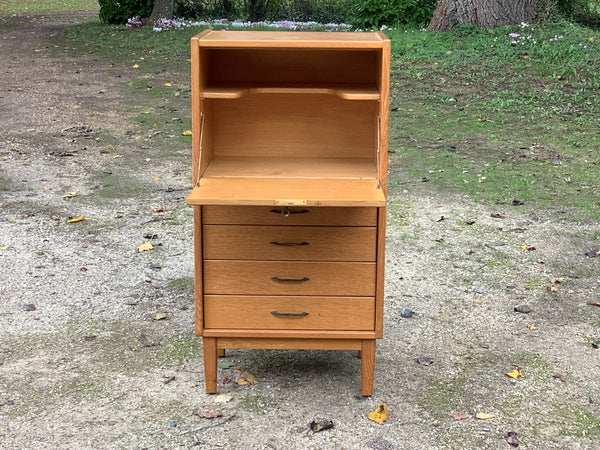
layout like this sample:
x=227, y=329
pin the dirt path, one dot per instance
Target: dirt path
x=84, y=362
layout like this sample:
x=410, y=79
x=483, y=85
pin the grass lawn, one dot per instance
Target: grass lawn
x=37, y=6
x=500, y=115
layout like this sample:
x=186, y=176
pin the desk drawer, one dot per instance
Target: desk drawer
x=289, y=278
x=289, y=313
x=289, y=243
x=279, y=215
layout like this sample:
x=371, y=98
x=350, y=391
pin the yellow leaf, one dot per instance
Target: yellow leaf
x=76, y=219
x=160, y=316
x=71, y=194
x=244, y=377
x=514, y=374
x=157, y=178
x=484, y=416
x=135, y=66
x=168, y=84
x=187, y=133
x=532, y=327
x=380, y=414
x=145, y=247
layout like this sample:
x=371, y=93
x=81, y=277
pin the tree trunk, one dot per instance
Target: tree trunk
x=163, y=9
x=484, y=13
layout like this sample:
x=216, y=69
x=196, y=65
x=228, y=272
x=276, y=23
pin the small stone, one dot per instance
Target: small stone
x=406, y=313
x=511, y=438
x=173, y=424
x=525, y=309
x=28, y=307
x=479, y=289
x=425, y=360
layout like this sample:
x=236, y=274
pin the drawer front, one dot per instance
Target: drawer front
x=289, y=278
x=289, y=243
x=279, y=215
x=289, y=313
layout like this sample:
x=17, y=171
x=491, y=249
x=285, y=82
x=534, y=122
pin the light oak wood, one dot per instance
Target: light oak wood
x=287, y=39
x=291, y=167
x=275, y=313
x=290, y=343
x=285, y=334
x=321, y=278
x=289, y=143
x=367, y=366
x=290, y=216
x=294, y=192
x=354, y=92
x=198, y=280
x=289, y=243
x=280, y=125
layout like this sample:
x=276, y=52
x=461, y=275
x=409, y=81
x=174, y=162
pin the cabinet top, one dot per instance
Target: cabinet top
x=291, y=39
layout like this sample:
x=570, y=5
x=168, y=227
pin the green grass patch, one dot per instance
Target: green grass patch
x=181, y=284
x=43, y=6
x=502, y=114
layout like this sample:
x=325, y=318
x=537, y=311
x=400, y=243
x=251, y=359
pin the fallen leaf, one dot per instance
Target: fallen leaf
x=320, y=425
x=527, y=247
x=210, y=414
x=145, y=247
x=532, y=327
x=594, y=303
x=160, y=316
x=167, y=84
x=484, y=416
x=223, y=398
x=70, y=194
x=458, y=416
x=559, y=376
x=243, y=377
x=76, y=219
x=557, y=280
x=135, y=66
x=187, y=133
x=592, y=253
x=514, y=374
x=497, y=216
x=380, y=414
x=525, y=309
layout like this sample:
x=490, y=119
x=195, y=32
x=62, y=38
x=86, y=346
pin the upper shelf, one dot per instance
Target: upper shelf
x=290, y=39
x=344, y=91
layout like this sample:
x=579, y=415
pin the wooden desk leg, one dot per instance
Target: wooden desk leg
x=367, y=367
x=209, y=350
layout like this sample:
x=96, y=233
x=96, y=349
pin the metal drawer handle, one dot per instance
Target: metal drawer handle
x=290, y=280
x=289, y=244
x=286, y=212
x=280, y=314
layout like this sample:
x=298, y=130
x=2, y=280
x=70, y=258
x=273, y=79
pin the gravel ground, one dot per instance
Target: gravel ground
x=96, y=339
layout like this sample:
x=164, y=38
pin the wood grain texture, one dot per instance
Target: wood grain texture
x=209, y=352
x=323, y=278
x=326, y=313
x=295, y=191
x=291, y=216
x=283, y=243
x=367, y=367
